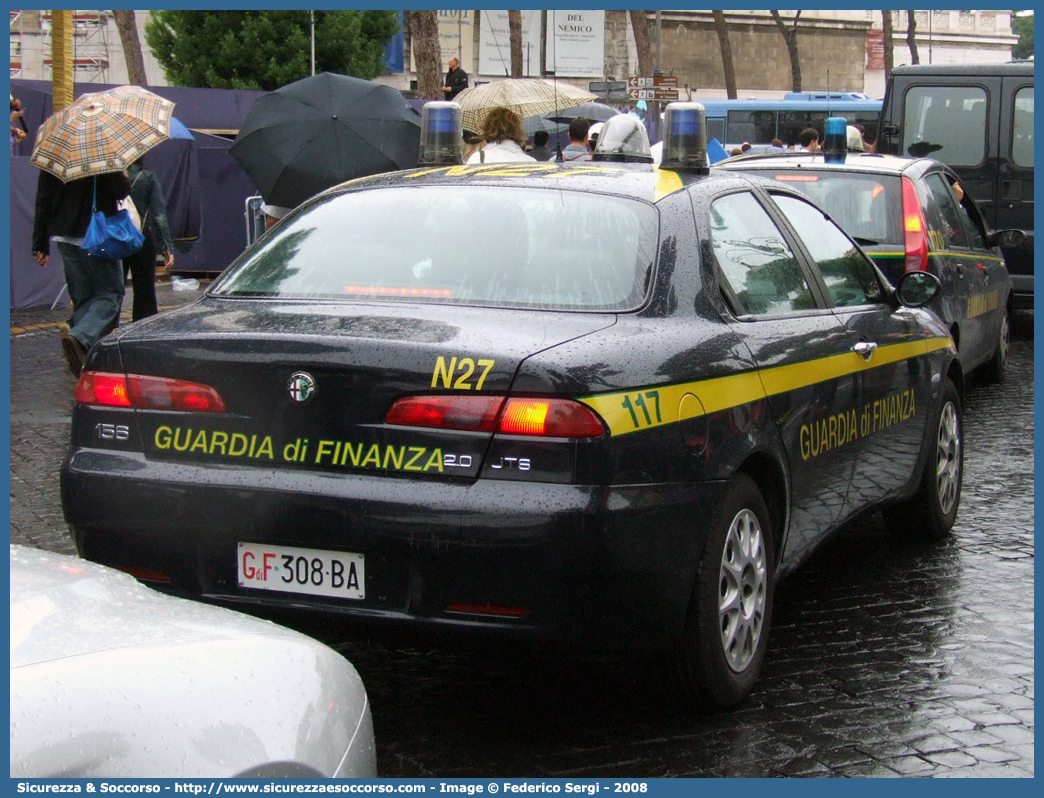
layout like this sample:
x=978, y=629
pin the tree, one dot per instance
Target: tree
x=515, y=38
x=1022, y=26
x=266, y=49
x=427, y=54
x=543, y=44
x=911, y=36
x=886, y=34
x=640, y=29
x=127, y=25
x=790, y=37
x=726, y=54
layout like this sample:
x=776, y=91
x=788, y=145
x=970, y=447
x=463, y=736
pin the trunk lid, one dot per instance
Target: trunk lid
x=308, y=384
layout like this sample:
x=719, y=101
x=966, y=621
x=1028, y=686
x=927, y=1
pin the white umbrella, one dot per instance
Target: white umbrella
x=525, y=96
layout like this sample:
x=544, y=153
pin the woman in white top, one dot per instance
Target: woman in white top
x=502, y=129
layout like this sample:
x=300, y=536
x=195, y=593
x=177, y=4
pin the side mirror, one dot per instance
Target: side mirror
x=1005, y=238
x=917, y=289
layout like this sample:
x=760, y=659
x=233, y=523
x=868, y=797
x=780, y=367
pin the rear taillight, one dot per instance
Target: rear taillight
x=146, y=393
x=915, y=232
x=552, y=418
x=477, y=413
x=97, y=388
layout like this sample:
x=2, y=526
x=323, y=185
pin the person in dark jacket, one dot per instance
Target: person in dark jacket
x=62, y=213
x=456, y=80
x=540, y=149
x=147, y=196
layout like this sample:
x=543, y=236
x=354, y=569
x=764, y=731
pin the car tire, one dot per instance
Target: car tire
x=997, y=367
x=932, y=510
x=726, y=632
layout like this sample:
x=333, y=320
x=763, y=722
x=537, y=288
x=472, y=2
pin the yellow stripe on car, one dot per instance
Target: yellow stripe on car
x=873, y=253
x=667, y=182
x=633, y=411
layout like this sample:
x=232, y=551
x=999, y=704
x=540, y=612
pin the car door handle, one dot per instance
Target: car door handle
x=1011, y=189
x=865, y=348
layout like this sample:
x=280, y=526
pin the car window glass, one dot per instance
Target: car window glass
x=974, y=225
x=848, y=274
x=973, y=221
x=753, y=126
x=945, y=218
x=1022, y=128
x=945, y=123
x=865, y=205
x=791, y=123
x=754, y=259
x=472, y=245
x=716, y=129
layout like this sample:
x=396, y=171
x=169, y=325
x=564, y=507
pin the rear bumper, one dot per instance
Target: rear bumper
x=603, y=570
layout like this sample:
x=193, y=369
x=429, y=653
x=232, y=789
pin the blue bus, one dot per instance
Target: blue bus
x=759, y=121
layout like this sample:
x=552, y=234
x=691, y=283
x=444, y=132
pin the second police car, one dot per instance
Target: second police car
x=601, y=407
x=911, y=214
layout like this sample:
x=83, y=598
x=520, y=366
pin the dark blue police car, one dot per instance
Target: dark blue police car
x=910, y=214
x=600, y=406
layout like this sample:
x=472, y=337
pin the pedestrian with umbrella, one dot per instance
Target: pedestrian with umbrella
x=504, y=137
x=317, y=132
x=83, y=152
x=541, y=151
x=577, y=149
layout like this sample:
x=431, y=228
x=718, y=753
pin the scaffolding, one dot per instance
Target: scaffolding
x=90, y=43
x=16, y=44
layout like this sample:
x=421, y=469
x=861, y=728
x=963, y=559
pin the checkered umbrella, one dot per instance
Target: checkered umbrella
x=525, y=96
x=102, y=132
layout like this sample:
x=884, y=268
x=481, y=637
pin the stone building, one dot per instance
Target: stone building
x=838, y=50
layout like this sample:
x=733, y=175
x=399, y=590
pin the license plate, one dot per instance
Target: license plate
x=336, y=574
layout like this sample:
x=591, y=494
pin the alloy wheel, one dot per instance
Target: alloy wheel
x=1003, y=343
x=742, y=591
x=948, y=458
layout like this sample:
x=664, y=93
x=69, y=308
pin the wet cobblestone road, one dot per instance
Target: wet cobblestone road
x=888, y=657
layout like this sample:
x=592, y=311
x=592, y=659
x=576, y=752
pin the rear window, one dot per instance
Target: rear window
x=472, y=245
x=867, y=206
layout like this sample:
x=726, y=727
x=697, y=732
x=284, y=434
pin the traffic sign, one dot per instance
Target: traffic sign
x=652, y=94
x=664, y=81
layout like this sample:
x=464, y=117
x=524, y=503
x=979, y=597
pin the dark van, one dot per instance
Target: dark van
x=978, y=119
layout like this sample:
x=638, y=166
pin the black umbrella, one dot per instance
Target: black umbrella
x=532, y=124
x=322, y=130
x=595, y=111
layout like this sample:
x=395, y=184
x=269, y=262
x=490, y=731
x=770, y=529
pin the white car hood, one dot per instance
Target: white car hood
x=66, y=607
x=112, y=679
